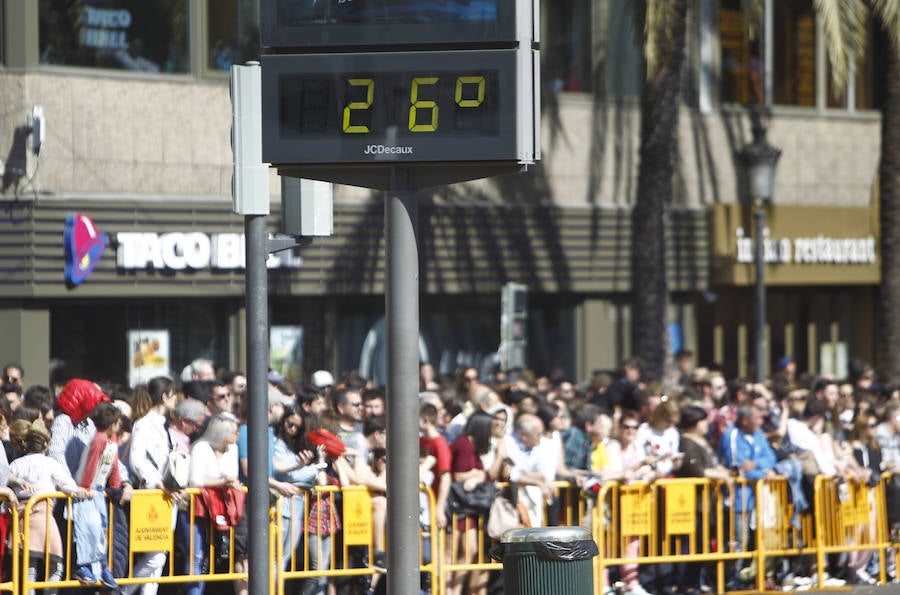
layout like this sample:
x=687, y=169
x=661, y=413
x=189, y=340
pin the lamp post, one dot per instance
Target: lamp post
x=759, y=159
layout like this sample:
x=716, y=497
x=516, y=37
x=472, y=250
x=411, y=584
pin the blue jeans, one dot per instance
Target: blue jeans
x=792, y=470
x=201, y=546
x=316, y=563
x=89, y=520
x=292, y=510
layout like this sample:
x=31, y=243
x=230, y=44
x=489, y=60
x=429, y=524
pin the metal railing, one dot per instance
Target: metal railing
x=725, y=526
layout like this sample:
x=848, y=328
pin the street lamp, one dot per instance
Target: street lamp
x=759, y=159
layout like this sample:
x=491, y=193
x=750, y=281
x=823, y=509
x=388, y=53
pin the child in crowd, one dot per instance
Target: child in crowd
x=98, y=469
x=43, y=475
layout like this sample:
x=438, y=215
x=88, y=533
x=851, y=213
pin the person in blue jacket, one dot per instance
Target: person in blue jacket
x=745, y=450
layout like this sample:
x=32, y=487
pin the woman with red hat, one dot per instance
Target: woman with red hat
x=72, y=430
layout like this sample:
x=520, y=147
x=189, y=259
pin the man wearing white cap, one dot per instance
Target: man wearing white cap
x=323, y=380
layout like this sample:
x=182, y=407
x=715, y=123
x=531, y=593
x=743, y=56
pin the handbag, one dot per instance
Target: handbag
x=177, y=472
x=808, y=462
x=476, y=501
x=502, y=517
x=222, y=550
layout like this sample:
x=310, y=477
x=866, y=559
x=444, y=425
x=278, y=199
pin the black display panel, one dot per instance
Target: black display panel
x=390, y=107
x=340, y=23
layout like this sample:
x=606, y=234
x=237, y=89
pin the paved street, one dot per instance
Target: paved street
x=864, y=590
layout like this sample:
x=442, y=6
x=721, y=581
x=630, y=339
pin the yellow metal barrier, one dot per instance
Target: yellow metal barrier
x=320, y=558
x=893, y=535
x=848, y=520
x=666, y=521
x=779, y=534
x=465, y=546
x=152, y=510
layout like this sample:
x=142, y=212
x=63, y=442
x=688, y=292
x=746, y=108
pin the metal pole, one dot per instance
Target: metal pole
x=768, y=51
x=402, y=316
x=759, y=211
x=256, y=278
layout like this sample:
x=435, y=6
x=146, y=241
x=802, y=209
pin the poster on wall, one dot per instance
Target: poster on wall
x=148, y=355
x=286, y=351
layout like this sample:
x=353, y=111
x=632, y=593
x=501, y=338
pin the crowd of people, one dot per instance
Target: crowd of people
x=698, y=423
x=99, y=442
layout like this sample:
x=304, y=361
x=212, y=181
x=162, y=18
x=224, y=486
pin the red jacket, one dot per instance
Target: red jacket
x=224, y=506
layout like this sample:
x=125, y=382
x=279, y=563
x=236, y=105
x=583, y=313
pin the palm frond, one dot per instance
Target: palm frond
x=753, y=11
x=888, y=14
x=844, y=23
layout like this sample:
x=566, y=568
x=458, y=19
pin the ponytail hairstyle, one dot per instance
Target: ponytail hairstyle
x=157, y=387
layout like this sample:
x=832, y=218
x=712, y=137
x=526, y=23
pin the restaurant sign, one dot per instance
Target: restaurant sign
x=802, y=245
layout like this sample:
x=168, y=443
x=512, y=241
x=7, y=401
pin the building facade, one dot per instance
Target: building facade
x=137, y=147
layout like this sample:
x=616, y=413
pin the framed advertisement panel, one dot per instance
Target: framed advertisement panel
x=148, y=355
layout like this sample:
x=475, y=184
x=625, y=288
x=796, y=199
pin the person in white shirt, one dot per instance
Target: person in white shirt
x=43, y=475
x=809, y=434
x=534, y=460
x=149, y=452
x=214, y=463
x=659, y=438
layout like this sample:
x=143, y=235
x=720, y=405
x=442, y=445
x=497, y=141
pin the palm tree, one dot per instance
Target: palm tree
x=664, y=24
x=844, y=25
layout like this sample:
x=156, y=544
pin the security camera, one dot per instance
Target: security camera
x=38, y=129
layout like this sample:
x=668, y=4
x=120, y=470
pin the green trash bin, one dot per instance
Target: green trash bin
x=547, y=560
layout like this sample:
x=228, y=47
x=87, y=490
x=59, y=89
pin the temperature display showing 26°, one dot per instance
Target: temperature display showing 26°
x=395, y=104
x=409, y=106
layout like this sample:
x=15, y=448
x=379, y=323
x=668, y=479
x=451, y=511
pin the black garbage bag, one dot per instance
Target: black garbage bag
x=568, y=551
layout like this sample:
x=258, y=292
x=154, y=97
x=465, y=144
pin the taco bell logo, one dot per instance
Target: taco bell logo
x=83, y=246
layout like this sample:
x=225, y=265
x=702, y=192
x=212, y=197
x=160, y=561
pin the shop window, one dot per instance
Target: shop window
x=793, y=60
x=146, y=36
x=626, y=60
x=566, y=45
x=233, y=33
x=92, y=337
x=795, y=53
x=740, y=59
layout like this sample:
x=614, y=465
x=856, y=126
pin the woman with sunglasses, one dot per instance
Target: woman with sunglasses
x=293, y=459
x=635, y=467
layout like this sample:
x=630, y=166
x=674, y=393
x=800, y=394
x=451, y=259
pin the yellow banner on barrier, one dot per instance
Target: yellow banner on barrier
x=151, y=522
x=636, y=513
x=357, y=517
x=681, y=508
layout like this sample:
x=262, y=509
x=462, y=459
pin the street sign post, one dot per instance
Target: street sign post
x=400, y=95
